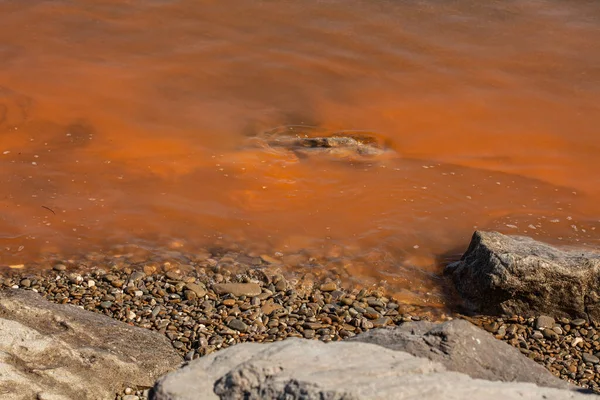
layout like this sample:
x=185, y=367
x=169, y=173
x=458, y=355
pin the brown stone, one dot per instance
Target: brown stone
x=237, y=289
x=198, y=289
x=268, y=308
x=328, y=287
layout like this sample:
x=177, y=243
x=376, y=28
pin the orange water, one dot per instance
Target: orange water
x=130, y=121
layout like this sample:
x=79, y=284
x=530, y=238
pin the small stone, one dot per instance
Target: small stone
x=155, y=311
x=128, y=391
x=543, y=321
x=501, y=331
x=75, y=279
x=106, y=304
x=229, y=302
x=136, y=276
x=572, y=368
x=25, y=283
x=178, y=345
x=269, y=259
x=373, y=302
x=91, y=283
x=550, y=334
x=312, y=325
x=309, y=333
x=281, y=285
x=268, y=308
x=238, y=289
x=537, y=335
x=328, y=287
x=190, y=295
x=117, y=283
x=199, y=289
x=491, y=327
x=190, y=355
x=576, y=341
x=590, y=358
x=238, y=325
x=372, y=315
x=558, y=330
x=173, y=275
x=347, y=301
x=149, y=269
x=578, y=322
x=130, y=397
x=381, y=322
x=512, y=329
x=59, y=267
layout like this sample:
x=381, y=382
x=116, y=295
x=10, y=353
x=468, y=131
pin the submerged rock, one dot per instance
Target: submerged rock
x=462, y=347
x=307, y=142
x=51, y=351
x=516, y=275
x=311, y=370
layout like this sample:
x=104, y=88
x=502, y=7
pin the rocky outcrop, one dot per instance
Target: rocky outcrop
x=501, y=274
x=312, y=370
x=51, y=351
x=462, y=347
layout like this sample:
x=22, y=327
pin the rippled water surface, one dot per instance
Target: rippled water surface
x=135, y=122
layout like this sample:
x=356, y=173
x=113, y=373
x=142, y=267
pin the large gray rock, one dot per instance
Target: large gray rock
x=501, y=274
x=55, y=352
x=461, y=346
x=297, y=369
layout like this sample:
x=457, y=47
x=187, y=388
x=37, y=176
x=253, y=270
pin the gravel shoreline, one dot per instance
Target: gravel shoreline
x=204, y=309
x=569, y=349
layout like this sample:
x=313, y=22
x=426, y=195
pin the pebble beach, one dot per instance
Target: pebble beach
x=202, y=308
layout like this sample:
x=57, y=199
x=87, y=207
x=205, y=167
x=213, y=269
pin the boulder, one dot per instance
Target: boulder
x=52, y=351
x=462, y=347
x=517, y=275
x=296, y=369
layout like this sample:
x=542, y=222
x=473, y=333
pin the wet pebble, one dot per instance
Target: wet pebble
x=328, y=287
x=59, y=267
x=544, y=321
x=590, y=358
x=238, y=325
x=238, y=289
x=106, y=304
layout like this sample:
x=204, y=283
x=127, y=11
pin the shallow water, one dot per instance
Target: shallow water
x=131, y=122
